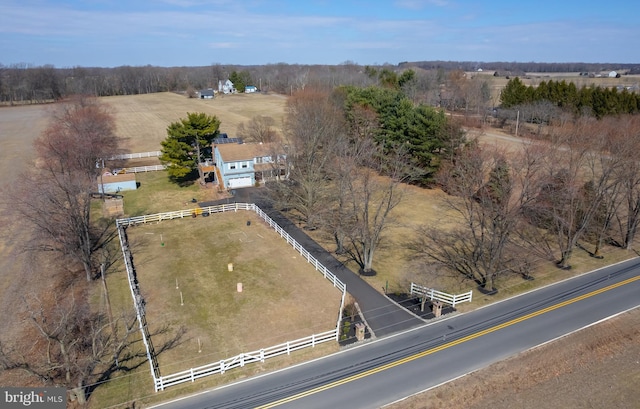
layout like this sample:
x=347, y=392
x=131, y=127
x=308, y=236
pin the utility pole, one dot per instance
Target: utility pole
x=517, y=121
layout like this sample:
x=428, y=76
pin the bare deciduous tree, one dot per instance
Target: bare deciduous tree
x=260, y=129
x=68, y=344
x=479, y=245
x=625, y=143
x=54, y=200
x=579, y=175
x=312, y=128
x=370, y=188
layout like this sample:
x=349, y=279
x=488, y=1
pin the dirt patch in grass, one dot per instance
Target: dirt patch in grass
x=598, y=367
x=183, y=270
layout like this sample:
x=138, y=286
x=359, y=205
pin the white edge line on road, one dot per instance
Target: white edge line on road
x=514, y=355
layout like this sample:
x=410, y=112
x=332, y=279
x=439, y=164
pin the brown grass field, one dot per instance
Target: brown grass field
x=142, y=121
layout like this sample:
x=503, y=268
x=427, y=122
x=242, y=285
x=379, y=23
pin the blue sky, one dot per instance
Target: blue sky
x=110, y=33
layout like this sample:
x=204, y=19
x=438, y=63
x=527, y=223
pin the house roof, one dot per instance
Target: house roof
x=231, y=152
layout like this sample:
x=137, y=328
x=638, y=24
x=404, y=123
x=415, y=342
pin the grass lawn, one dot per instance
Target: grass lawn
x=156, y=194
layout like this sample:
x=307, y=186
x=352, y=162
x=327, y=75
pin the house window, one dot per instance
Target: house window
x=245, y=165
x=232, y=166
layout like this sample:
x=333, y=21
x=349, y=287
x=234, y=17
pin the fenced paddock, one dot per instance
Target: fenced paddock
x=155, y=234
x=435, y=295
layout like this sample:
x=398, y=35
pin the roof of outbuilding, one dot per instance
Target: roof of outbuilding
x=122, y=177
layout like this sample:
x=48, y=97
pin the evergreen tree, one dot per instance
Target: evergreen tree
x=514, y=93
x=240, y=80
x=186, y=141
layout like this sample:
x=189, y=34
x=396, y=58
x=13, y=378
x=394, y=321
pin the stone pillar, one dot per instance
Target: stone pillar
x=360, y=331
x=437, y=308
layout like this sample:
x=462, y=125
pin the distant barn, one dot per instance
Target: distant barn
x=208, y=93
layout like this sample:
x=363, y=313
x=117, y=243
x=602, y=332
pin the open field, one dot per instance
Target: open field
x=142, y=120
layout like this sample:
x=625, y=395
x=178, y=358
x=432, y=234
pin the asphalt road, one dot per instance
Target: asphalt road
x=380, y=372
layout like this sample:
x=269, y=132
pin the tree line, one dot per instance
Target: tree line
x=586, y=100
x=513, y=66
x=24, y=83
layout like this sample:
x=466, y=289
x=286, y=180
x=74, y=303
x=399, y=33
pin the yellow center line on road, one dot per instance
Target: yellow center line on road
x=445, y=346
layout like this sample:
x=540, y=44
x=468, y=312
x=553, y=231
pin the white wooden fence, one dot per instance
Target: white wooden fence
x=192, y=374
x=141, y=169
x=441, y=296
x=137, y=155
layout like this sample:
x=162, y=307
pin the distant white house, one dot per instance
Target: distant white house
x=250, y=88
x=613, y=74
x=226, y=87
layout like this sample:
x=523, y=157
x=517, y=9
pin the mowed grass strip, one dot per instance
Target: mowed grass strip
x=182, y=267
